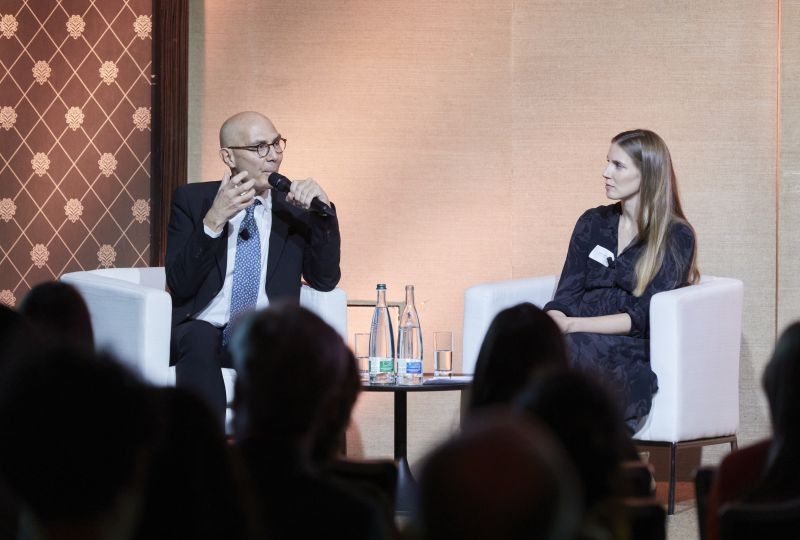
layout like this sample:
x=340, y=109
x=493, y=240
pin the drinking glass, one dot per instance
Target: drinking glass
x=443, y=354
x=361, y=350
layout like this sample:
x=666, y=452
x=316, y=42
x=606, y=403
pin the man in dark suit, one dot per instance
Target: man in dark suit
x=277, y=238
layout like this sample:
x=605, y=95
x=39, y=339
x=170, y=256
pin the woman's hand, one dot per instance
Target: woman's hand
x=563, y=322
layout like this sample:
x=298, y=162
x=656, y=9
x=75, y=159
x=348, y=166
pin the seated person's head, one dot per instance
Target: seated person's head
x=75, y=427
x=585, y=420
x=15, y=334
x=781, y=381
x=191, y=490
x=59, y=310
x=500, y=477
x=521, y=341
x=779, y=478
x=297, y=380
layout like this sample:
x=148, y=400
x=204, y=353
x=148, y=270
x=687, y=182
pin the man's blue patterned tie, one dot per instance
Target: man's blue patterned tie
x=246, y=270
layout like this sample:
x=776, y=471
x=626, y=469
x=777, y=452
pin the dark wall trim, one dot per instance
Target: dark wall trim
x=170, y=81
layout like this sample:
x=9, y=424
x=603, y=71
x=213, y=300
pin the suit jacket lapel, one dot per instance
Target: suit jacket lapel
x=278, y=234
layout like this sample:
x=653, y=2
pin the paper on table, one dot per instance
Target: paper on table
x=448, y=380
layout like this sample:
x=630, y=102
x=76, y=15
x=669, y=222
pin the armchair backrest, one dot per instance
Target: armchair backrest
x=131, y=316
x=483, y=302
x=331, y=306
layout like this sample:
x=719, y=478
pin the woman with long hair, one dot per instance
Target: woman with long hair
x=619, y=256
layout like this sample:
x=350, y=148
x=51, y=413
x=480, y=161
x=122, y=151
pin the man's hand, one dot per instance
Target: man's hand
x=303, y=192
x=234, y=195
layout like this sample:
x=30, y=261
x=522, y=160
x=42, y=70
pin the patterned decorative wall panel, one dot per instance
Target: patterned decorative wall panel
x=75, y=141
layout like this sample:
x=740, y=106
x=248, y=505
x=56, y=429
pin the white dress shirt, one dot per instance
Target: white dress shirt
x=218, y=311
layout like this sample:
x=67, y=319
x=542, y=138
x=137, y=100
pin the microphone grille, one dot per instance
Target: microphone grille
x=279, y=182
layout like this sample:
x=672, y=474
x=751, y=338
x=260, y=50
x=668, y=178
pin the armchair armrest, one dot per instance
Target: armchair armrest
x=483, y=302
x=695, y=337
x=130, y=320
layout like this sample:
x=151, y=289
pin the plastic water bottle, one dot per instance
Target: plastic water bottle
x=409, y=343
x=381, y=342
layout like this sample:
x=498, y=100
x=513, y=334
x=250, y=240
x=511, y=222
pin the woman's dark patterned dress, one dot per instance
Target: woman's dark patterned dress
x=589, y=287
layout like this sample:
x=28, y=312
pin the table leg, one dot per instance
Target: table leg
x=464, y=406
x=406, y=495
x=406, y=485
x=400, y=425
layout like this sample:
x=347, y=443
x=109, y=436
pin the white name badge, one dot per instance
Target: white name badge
x=601, y=255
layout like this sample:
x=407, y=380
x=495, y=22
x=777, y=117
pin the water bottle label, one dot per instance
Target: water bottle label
x=410, y=367
x=379, y=364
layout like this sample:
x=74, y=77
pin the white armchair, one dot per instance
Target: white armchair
x=695, y=336
x=131, y=318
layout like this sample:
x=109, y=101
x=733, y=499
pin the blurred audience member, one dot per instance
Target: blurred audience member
x=521, y=342
x=10, y=320
x=589, y=426
x=767, y=471
x=14, y=333
x=73, y=437
x=59, y=310
x=501, y=477
x=12, y=330
x=296, y=384
x=191, y=489
x=587, y=422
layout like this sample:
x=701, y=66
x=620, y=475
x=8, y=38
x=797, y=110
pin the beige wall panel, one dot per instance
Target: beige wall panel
x=432, y=418
x=702, y=75
x=789, y=224
x=398, y=111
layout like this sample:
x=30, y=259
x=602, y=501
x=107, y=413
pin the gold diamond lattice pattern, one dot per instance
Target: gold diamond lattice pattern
x=74, y=138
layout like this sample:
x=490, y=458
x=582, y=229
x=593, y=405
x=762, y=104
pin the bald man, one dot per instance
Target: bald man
x=209, y=222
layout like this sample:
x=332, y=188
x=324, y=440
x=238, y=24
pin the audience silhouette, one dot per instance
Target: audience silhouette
x=501, y=477
x=294, y=390
x=13, y=335
x=767, y=471
x=58, y=311
x=587, y=423
x=192, y=486
x=75, y=428
x=521, y=342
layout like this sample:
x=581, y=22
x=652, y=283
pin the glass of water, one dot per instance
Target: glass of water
x=443, y=354
x=361, y=350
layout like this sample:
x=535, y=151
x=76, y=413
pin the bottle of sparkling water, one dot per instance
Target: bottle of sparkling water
x=409, y=343
x=381, y=342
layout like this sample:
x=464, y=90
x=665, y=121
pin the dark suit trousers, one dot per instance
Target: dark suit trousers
x=197, y=353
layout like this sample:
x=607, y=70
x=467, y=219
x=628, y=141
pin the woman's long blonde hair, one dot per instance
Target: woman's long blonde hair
x=659, y=203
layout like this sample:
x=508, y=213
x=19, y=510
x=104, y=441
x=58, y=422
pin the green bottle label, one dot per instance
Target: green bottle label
x=379, y=364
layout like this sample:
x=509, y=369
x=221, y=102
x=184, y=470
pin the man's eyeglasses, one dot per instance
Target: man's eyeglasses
x=279, y=145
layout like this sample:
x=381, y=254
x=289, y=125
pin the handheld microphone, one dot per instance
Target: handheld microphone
x=281, y=183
